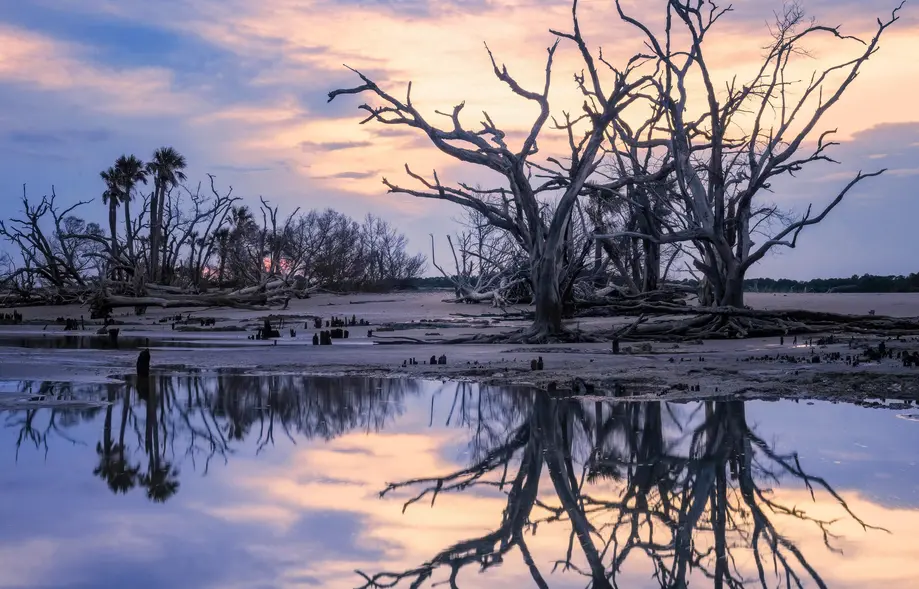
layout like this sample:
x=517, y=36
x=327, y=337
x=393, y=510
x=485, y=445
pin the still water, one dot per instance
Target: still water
x=285, y=481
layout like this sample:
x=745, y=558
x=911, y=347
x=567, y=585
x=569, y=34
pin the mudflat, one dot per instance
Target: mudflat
x=41, y=350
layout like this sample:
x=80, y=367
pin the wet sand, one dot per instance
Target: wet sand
x=667, y=371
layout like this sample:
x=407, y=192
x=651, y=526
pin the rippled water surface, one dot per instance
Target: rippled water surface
x=275, y=481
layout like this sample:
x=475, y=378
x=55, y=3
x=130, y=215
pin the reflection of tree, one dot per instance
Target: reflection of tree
x=689, y=491
x=214, y=415
x=487, y=550
x=209, y=416
x=114, y=463
x=161, y=478
x=36, y=425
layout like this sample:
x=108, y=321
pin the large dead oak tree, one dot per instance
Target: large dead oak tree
x=746, y=137
x=521, y=205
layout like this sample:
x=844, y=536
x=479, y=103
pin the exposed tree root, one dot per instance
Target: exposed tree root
x=520, y=336
x=631, y=307
x=729, y=323
x=712, y=323
x=620, y=304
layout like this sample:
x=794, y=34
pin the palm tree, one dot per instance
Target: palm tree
x=130, y=171
x=241, y=219
x=166, y=167
x=161, y=478
x=113, y=467
x=112, y=196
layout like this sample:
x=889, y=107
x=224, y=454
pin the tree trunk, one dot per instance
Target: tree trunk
x=634, y=265
x=732, y=296
x=160, y=238
x=191, y=265
x=113, y=226
x=125, y=412
x=652, y=258
x=154, y=233
x=108, y=442
x=128, y=231
x=547, y=295
x=705, y=293
x=598, y=263
x=166, y=261
x=220, y=269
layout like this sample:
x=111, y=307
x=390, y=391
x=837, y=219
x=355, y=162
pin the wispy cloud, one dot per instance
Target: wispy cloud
x=333, y=145
x=60, y=137
x=351, y=175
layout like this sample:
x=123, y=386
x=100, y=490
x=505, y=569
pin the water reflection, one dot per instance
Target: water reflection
x=688, y=497
x=208, y=416
x=610, y=493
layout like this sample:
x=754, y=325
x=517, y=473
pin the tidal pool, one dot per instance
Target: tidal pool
x=275, y=481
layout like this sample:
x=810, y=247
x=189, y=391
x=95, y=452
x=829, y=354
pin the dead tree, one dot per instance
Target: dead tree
x=640, y=210
x=721, y=173
x=192, y=220
x=488, y=264
x=56, y=248
x=518, y=206
x=57, y=257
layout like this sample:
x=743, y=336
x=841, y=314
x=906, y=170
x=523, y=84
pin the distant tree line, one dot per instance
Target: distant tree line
x=863, y=283
x=866, y=283
x=182, y=240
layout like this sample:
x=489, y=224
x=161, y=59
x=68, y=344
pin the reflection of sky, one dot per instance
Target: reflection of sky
x=854, y=448
x=308, y=514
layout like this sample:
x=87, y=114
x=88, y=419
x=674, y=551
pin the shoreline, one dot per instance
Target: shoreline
x=741, y=369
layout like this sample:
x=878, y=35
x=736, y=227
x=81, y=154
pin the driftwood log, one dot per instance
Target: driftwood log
x=270, y=295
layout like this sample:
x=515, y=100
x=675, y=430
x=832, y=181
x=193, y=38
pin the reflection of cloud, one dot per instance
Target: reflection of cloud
x=422, y=531
x=310, y=513
x=409, y=538
x=265, y=515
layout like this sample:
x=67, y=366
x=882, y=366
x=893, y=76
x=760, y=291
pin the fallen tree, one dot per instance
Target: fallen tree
x=272, y=294
x=102, y=306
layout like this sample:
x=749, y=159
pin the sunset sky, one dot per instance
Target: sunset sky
x=240, y=88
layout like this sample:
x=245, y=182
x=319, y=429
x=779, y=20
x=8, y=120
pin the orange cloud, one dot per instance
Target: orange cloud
x=45, y=64
x=443, y=53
